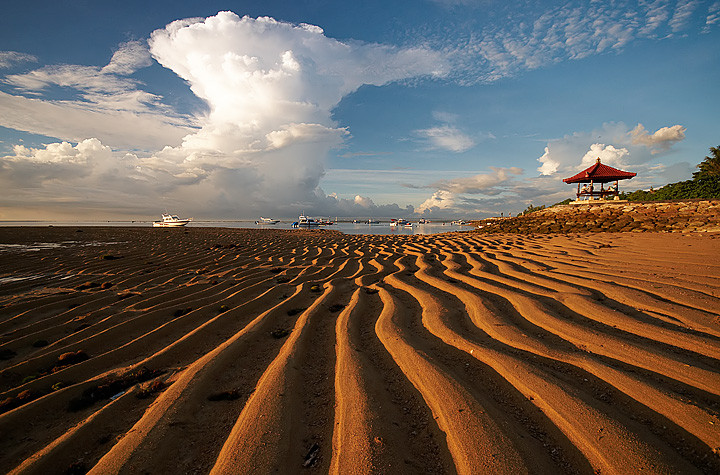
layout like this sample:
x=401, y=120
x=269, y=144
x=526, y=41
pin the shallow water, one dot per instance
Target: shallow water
x=344, y=227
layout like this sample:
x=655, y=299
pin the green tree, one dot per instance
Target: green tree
x=710, y=167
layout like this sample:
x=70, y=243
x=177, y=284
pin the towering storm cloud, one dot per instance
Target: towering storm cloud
x=270, y=88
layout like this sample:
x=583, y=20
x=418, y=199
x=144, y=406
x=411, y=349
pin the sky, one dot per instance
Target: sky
x=410, y=108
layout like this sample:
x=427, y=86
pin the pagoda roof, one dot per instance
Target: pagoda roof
x=599, y=173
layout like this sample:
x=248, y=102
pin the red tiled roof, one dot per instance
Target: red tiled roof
x=599, y=173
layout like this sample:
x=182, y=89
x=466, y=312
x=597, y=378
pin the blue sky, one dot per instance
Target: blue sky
x=441, y=108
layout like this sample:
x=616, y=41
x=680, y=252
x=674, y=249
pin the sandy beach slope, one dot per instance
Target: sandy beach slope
x=210, y=350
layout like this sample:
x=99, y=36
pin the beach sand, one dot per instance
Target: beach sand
x=210, y=350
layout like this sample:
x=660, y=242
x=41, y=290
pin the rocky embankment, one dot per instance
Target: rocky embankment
x=676, y=216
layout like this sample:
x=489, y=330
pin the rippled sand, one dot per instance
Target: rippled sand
x=143, y=350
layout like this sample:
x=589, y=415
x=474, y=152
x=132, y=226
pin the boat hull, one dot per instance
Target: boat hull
x=176, y=224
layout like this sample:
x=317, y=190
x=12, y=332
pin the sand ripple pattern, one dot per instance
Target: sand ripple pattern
x=132, y=350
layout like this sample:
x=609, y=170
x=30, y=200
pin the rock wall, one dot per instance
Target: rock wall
x=675, y=216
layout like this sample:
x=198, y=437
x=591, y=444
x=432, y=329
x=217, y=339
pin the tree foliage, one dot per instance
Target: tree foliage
x=710, y=167
x=704, y=184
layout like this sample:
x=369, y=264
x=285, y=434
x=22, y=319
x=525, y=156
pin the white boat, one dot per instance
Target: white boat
x=267, y=221
x=373, y=221
x=305, y=222
x=398, y=222
x=170, y=220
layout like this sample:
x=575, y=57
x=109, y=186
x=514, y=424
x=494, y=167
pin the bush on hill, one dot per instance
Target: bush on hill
x=704, y=184
x=690, y=189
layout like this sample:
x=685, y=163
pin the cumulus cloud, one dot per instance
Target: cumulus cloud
x=11, y=58
x=64, y=152
x=549, y=165
x=364, y=201
x=269, y=86
x=622, y=147
x=661, y=140
x=607, y=154
x=440, y=201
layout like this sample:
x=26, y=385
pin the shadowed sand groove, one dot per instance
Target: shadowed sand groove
x=207, y=350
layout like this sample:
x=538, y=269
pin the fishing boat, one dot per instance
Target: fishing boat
x=305, y=222
x=397, y=222
x=170, y=220
x=267, y=221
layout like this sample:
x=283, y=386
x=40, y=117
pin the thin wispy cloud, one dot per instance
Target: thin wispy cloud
x=569, y=32
x=681, y=15
x=446, y=137
x=12, y=58
x=108, y=87
x=712, y=18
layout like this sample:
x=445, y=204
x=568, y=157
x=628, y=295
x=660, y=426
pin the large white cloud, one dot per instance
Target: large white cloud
x=661, y=140
x=608, y=154
x=270, y=88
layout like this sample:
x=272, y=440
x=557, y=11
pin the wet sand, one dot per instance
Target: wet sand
x=212, y=350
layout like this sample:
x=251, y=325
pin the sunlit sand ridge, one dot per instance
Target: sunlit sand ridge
x=240, y=351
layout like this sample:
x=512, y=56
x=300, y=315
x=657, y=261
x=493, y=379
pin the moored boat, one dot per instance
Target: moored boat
x=170, y=220
x=305, y=222
x=398, y=222
x=267, y=221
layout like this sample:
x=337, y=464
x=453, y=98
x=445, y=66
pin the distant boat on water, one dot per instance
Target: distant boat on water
x=267, y=221
x=305, y=222
x=170, y=220
x=399, y=222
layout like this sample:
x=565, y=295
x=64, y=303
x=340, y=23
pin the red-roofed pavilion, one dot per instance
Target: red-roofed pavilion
x=599, y=173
